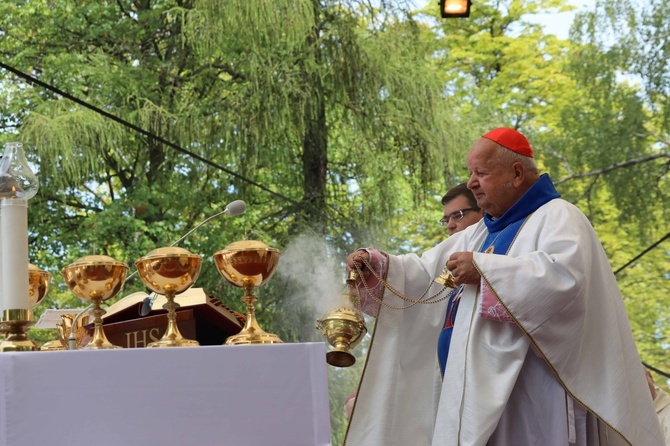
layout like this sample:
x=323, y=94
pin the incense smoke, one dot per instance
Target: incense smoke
x=314, y=274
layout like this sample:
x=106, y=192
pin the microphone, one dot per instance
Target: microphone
x=233, y=209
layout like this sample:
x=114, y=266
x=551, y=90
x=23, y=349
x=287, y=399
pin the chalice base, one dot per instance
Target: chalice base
x=172, y=336
x=168, y=342
x=100, y=346
x=99, y=340
x=51, y=346
x=247, y=337
x=340, y=358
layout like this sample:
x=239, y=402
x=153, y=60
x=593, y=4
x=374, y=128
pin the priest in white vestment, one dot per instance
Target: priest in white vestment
x=540, y=349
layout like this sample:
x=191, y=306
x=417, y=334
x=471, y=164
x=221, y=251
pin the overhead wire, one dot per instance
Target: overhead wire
x=649, y=248
x=34, y=80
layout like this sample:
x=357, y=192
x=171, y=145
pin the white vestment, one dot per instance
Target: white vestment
x=566, y=372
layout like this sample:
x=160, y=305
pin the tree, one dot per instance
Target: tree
x=259, y=103
x=620, y=129
x=335, y=107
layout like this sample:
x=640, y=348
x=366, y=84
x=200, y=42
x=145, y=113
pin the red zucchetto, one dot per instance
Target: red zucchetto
x=510, y=139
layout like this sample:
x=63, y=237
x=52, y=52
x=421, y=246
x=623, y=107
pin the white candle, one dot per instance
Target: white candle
x=14, y=242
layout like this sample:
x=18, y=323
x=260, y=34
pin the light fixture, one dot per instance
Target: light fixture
x=455, y=8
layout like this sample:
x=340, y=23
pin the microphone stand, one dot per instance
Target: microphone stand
x=72, y=339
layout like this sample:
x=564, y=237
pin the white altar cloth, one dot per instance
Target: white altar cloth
x=274, y=395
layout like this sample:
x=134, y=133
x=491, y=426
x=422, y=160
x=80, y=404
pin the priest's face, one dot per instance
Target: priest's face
x=490, y=181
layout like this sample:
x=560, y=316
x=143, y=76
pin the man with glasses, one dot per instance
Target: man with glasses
x=460, y=209
x=541, y=350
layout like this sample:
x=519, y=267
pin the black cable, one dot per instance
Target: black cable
x=59, y=92
x=655, y=244
x=654, y=369
x=56, y=90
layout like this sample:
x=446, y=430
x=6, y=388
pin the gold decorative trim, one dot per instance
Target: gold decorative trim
x=367, y=358
x=544, y=356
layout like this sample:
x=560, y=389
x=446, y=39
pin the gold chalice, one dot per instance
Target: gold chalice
x=344, y=328
x=17, y=322
x=248, y=264
x=96, y=278
x=170, y=271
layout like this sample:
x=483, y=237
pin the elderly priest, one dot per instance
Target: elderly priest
x=541, y=351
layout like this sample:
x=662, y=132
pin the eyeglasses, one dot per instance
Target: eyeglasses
x=455, y=216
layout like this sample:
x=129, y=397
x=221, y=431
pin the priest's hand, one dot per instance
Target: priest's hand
x=356, y=258
x=461, y=266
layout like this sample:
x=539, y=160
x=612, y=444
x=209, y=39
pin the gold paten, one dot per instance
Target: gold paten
x=15, y=323
x=170, y=271
x=96, y=278
x=344, y=328
x=248, y=264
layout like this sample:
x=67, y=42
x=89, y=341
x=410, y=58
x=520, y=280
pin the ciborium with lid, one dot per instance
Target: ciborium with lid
x=96, y=278
x=248, y=264
x=170, y=271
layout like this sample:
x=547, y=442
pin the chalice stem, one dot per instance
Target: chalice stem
x=99, y=340
x=172, y=331
x=252, y=333
x=251, y=325
x=172, y=336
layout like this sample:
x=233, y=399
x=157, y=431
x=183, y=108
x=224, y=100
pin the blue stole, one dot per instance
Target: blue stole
x=501, y=234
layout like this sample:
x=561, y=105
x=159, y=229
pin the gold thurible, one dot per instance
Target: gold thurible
x=344, y=328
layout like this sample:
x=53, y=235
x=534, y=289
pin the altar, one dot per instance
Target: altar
x=273, y=395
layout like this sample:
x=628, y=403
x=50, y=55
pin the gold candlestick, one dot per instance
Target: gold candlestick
x=170, y=271
x=248, y=264
x=16, y=323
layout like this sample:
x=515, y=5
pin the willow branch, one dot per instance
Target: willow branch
x=615, y=166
